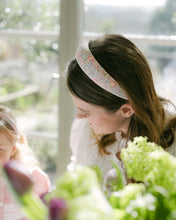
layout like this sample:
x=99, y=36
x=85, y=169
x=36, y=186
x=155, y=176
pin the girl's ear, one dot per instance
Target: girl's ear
x=127, y=110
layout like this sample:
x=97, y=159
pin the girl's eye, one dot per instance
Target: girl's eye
x=83, y=112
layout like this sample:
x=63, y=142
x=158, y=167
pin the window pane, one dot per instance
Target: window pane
x=29, y=85
x=140, y=17
x=29, y=14
x=29, y=73
x=130, y=16
x=162, y=62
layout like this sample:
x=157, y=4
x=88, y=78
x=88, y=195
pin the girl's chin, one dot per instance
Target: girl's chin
x=101, y=132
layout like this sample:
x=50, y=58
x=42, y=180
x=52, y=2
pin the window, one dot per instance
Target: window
x=29, y=72
x=150, y=24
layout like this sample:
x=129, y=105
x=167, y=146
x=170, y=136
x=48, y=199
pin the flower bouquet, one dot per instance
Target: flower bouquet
x=78, y=194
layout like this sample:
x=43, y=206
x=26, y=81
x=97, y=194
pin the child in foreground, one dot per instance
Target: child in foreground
x=13, y=145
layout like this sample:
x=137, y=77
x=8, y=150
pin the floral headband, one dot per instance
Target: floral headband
x=96, y=73
x=5, y=118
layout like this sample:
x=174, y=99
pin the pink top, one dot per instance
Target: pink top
x=9, y=209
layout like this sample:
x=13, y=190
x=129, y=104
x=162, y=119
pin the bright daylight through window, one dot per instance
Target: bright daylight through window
x=29, y=72
x=145, y=20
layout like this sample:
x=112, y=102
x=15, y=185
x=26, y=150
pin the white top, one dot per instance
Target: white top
x=85, y=149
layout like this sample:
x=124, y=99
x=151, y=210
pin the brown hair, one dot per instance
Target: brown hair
x=128, y=66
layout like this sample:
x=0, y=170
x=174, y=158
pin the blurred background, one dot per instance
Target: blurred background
x=37, y=39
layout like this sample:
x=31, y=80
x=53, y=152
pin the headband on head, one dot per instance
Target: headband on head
x=9, y=120
x=96, y=73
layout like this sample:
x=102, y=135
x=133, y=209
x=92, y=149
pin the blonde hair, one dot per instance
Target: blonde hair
x=23, y=153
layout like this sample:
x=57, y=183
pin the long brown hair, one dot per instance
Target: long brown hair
x=128, y=66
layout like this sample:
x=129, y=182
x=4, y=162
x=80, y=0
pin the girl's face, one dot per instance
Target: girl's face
x=6, y=149
x=99, y=119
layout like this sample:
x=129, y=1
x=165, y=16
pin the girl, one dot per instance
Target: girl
x=14, y=146
x=112, y=88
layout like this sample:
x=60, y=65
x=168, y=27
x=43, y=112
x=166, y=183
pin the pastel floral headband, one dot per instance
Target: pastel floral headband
x=96, y=73
x=5, y=118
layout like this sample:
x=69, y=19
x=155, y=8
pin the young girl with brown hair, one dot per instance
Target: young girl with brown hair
x=13, y=145
x=112, y=88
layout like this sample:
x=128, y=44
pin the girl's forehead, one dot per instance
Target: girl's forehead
x=79, y=103
x=85, y=106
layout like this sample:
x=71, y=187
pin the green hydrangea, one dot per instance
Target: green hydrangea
x=147, y=162
x=86, y=201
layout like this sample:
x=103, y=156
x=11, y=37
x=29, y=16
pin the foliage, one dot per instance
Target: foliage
x=46, y=153
x=148, y=162
x=29, y=14
x=22, y=103
x=163, y=20
x=78, y=190
x=155, y=168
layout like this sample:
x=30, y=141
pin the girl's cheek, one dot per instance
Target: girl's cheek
x=3, y=159
x=92, y=121
x=79, y=115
